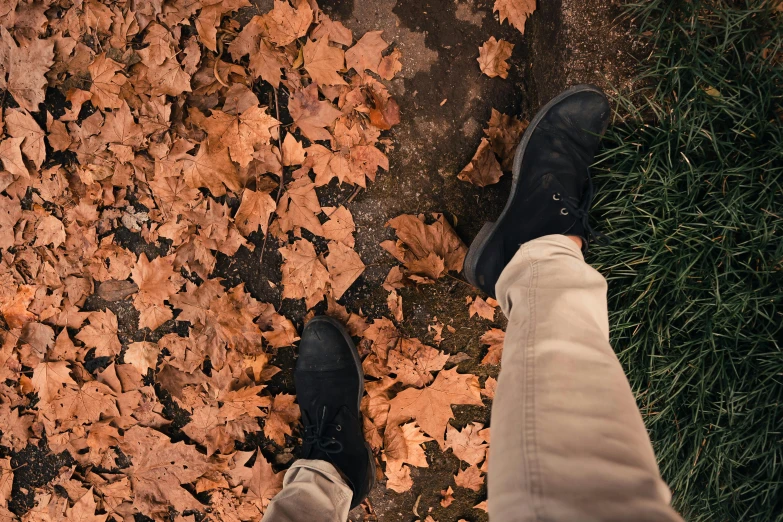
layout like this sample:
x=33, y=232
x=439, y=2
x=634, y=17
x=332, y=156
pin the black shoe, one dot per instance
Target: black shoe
x=329, y=386
x=552, y=189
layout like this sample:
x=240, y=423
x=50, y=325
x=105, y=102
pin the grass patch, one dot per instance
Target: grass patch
x=690, y=191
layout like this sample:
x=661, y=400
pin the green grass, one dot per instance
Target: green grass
x=690, y=190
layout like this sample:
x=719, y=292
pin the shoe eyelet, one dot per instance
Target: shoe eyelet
x=563, y=212
x=556, y=196
x=339, y=428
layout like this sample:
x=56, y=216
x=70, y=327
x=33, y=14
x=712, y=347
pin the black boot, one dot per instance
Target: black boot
x=552, y=189
x=329, y=387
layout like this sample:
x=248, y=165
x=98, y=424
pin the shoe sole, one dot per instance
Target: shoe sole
x=337, y=324
x=473, y=259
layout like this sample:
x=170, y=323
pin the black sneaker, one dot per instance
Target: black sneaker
x=552, y=189
x=329, y=387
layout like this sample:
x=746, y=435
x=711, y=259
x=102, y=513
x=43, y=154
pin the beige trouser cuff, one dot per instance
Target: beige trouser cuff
x=313, y=491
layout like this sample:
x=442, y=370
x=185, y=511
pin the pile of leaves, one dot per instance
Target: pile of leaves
x=164, y=120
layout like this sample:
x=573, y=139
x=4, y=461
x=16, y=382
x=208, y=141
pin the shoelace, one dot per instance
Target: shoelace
x=314, y=435
x=580, y=210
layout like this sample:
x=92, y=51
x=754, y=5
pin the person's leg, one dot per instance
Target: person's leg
x=568, y=442
x=573, y=444
x=337, y=469
x=313, y=490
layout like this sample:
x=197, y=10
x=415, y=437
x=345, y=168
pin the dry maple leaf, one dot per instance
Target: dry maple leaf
x=469, y=478
x=484, y=168
x=311, y=115
x=242, y=133
x=159, y=469
x=254, y=212
x=11, y=157
x=101, y=334
x=403, y=443
x=504, y=133
x=304, y=275
x=26, y=66
x=390, y=65
x=282, y=414
x=10, y=212
x=485, y=309
x=413, y=362
x=494, y=338
x=298, y=207
x=292, y=151
x=6, y=480
x=84, y=510
x=344, y=266
x=142, y=355
x=482, y=506
x=398, y=475
x=340, y=226
x=492, y=57
x=49, y=378
x=322, y=62
x=422, y=240
x=366, y=53
x=335, y=31
x=20, y=124
x=154, y=278
x=468, y=445
x=49, y=231
x=431, y=406
x=211, y=168
x=284, y=24
x=106, y=82
x=277, y=329
x=489, y=388
x=260, y=480
x=266, y=64
x=447, y=497
x=517, y=12
x=394, y=303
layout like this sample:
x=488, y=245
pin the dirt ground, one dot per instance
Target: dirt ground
x=444, y=103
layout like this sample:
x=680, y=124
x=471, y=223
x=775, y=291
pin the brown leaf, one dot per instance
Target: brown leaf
x=482, y=506
x=304, y=276
x=394, y=302
x=468, y=445
x=484, y=168
x=447, y=497
x=404, y=442
x=142, y=355
x=84, y=510
x=422, y=239
x=398, y=475
x=517, y=12
x=494, y=338
x=282, y=414
x=485, y=309
x=20, y=124
x=106, y=82
x=113, y=290
x=504, y=133
x=6, y=481
x=311, y=115
x=211, y=168
x=292, y=151
x=340, y=226
x=11, y=157
x=242, y=133
x=26, y=66
x=344, y=266
x=49, y=231
x=413, y=362
x=156, y=279
x=266, y=64
x=492, y=57
x=322, y=61
x=489, y=387
x=101, y=334
x=254, y=212
x=49, y=378
x=366, y=53
x=390, y=65
x=298, y=207
x=277, y=329
x=284, y=24
x=431, y=407
x=469, y=478
x=335, y=31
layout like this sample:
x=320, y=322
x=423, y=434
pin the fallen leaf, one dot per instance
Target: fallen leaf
x=49, y=378
x=311, y=115
x=492, y=57
x=322, y=61
x=304, y=276
x=298, y=207
x=282, y=414
x=142, y=355
x=516, y=11
x=284, y=24
x=447, y=497
x=340, y=226
x=20, y=124
x=366, y=53
x=431, y=406
x=11, y=157
x=482, y=506
x=504, y=133
x=468, y=445
x=494, y=338
x=106, y=82
x=398, y=476
x=49, y=231
x=394, y=302
x=254, y=212
x=211, y=168
x=26, y=66
x=101, y=334
x=489, y=387
x=422, y=240
x=469, y=478
x=84, y=510
x=483, y=168
x=390, y=65
x=292, y=151
x=483, y=308
x=403, y=444
x=344, y=266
